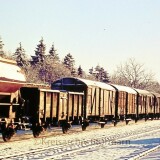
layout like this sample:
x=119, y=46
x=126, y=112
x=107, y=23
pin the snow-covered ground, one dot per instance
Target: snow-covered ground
x=121, y=142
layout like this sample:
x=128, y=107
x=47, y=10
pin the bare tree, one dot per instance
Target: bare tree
x=132, y=74
x=154, y=87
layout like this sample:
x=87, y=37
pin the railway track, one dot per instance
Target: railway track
x=154, y=153
x=75, y=146
x=149, y=154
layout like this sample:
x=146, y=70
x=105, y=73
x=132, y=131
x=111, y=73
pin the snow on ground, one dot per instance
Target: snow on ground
x=124, y=146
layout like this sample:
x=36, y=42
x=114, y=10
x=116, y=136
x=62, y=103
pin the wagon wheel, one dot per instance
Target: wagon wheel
x=127, y=122
x=36, y=134
x=37, y=130
x=83, y=127
x=102, y=125
x=7, y=134
x=64, y=129
x=115, y=123
x=6, y=137
x=136, y=120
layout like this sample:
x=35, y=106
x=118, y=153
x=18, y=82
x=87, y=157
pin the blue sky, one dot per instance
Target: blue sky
x=104, y=32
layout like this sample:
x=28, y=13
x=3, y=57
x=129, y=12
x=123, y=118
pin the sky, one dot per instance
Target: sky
x=95, y=32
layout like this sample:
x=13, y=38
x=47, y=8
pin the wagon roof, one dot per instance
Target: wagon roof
x=156, y=94
x=144, y=92
x=80, y=81
x=97, y=84
x=125, y=89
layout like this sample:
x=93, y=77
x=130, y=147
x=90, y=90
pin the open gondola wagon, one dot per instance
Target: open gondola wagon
x=11, y=79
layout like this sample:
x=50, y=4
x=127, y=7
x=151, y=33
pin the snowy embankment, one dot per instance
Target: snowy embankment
x=121, y=142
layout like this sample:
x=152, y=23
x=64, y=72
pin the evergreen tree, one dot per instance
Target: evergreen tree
x=99, y=74
x=105, y=77
x=1, y=48
x=80, y=71
x=20, y=56
x=39, y=52
x=69, y=63
x=53, y=54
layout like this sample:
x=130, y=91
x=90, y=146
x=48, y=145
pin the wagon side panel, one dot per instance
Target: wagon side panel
x=62, y=109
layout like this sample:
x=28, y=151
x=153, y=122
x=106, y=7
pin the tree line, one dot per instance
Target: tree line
x=43, y=67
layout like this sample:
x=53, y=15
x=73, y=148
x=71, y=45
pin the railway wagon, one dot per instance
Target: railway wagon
x=99, y=98
x=11, y=79
x=156, y=105
x=45, y=107
x=145, y=104
x=125, y=103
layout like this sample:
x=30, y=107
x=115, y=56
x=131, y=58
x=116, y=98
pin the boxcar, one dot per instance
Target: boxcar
x=107, y=101
x=99, y=99
x=126, y=102
x=156, y=105
x=145, y=104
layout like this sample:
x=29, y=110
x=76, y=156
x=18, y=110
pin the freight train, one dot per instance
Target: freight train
x=109, y=102
x=68, y=101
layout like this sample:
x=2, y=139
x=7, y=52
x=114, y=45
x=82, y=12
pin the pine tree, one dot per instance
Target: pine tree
x=53, y=54
x=52, y=58
x=105, y=77
x=69, y=63
x=80, y=71
x=99, y=74
x=20, y=56
x=39, y=52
